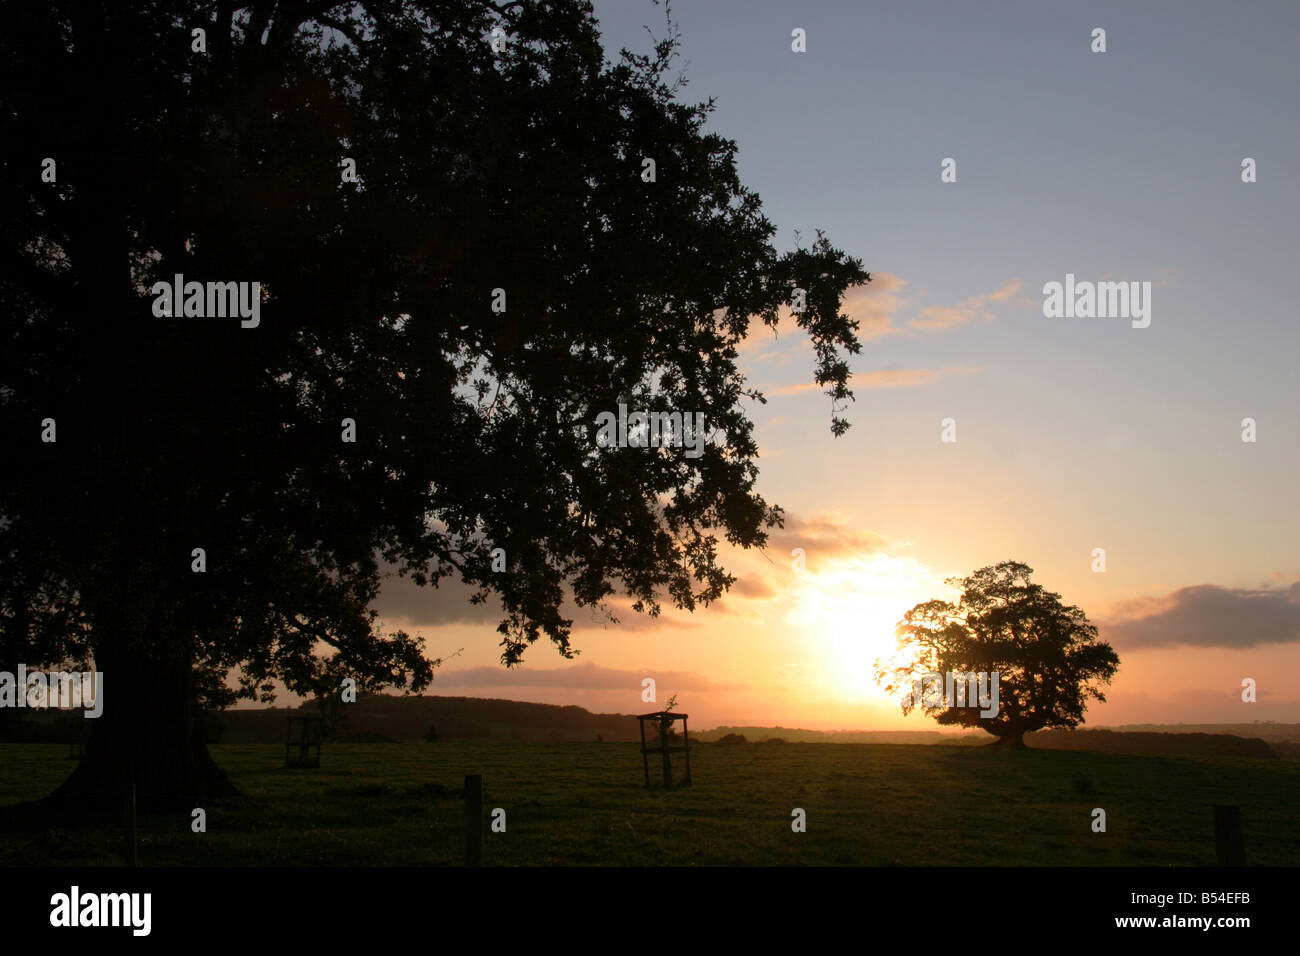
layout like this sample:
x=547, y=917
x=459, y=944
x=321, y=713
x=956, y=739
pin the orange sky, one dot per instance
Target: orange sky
x=884, y=515
x=1072, y=434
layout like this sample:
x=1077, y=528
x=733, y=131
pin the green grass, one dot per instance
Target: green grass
x=584, y=803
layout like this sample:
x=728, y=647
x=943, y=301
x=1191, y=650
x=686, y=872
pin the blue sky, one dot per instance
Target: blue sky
x=1117, y=165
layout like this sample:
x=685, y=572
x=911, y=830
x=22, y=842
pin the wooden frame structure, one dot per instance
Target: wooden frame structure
x=663, y=721
x=310, y=731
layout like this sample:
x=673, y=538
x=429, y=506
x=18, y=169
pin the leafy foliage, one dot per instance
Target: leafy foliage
x=478, y=169
x=1047, y=656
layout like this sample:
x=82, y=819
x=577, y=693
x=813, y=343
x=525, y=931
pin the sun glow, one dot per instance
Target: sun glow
x=846, y=615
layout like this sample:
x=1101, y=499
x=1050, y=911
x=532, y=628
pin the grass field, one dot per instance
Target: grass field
x=584, y=804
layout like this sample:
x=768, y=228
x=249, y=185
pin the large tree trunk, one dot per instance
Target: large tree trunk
x=1011, y=740
x=147, y=735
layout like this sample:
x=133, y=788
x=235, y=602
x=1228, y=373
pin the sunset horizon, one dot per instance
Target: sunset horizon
x=646, y=447
x=1071, y=433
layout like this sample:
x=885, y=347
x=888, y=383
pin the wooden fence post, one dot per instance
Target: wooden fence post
x=128, y=809
x=1229, y=839
x=686, y=741
x=645, y=756
x=663, y=742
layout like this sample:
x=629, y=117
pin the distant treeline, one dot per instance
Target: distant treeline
x=1128, y=742
x=384, y=718
x=1107, y=741
x=1263, y=729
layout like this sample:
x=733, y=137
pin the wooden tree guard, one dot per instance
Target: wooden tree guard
x=310, y=730
x=663, y=722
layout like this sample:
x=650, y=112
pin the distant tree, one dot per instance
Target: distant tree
x=1047, y=656
x=500, y=270
x=431, y=735
x=732, y=739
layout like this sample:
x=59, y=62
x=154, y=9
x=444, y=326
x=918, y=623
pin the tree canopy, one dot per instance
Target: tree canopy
x=499, y=271
x=1046, y=655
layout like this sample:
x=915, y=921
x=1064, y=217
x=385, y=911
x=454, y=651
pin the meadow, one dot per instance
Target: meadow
x=585, y=804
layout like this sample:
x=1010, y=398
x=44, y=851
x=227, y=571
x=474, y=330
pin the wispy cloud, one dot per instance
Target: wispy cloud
x=939, y=317
x=878, y=307
x=762, y=579
x=884, y=378
x=828, y=534
x=875, y=305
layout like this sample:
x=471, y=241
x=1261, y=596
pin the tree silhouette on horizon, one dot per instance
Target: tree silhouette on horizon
x=1046, y=654
x=516, y=165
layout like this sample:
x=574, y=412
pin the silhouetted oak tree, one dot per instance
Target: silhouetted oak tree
x=514, y=165
x=1047, y=656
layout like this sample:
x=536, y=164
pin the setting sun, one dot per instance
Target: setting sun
x=846, y=616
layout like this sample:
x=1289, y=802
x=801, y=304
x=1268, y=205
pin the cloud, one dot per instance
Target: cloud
x=882, y=283
x=874, y=305
x=577, y=677
x=794, y=389
x=907, y=377
x=939, y=317
x=884, y=378
x=752, y=587
x=775, y=347
x=1207, y=615
x=400, y=599
x=1008, y=289
x=764, y=577
x=402, y=603
x=827, y=535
